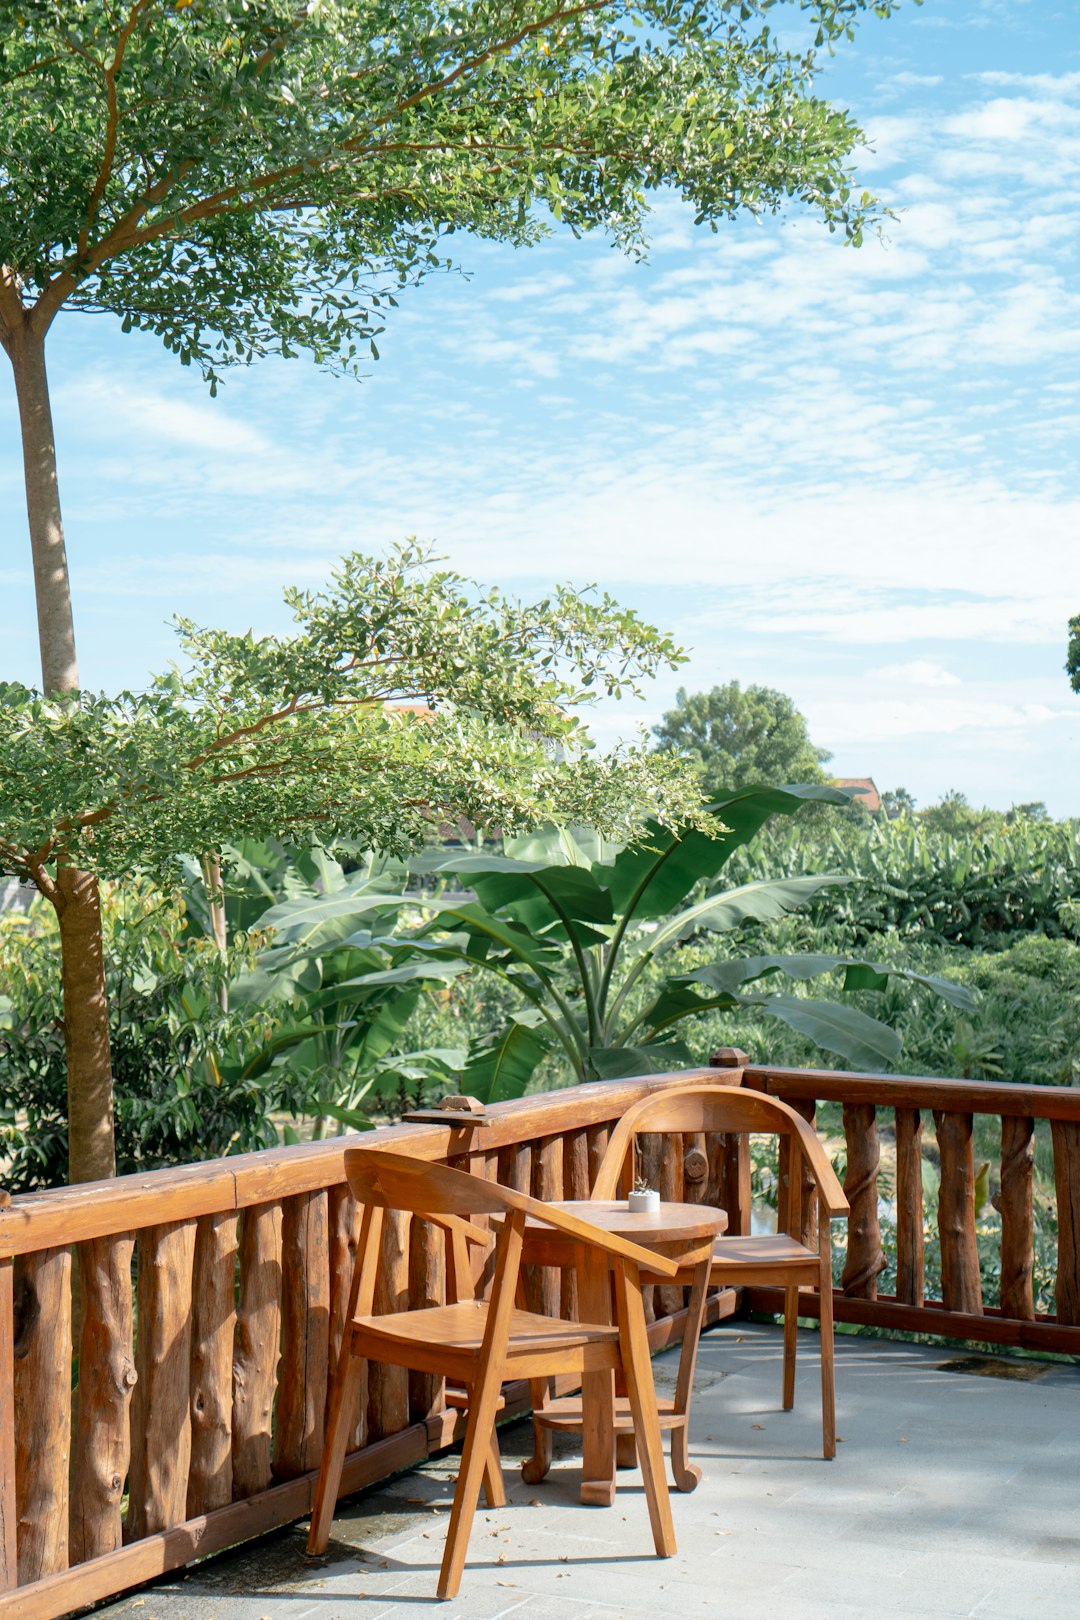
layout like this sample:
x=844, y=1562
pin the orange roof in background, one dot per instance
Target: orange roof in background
x=864, y=786
x=422, y=711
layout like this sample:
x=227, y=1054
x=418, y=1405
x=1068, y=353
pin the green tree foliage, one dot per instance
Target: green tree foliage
x=180, y=1093
x=297, y=736
x=737, y=737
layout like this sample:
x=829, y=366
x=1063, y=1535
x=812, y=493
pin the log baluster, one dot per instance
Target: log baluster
x=1066, y=1138
x=344, y=1226
x=543, y=1285
x=598, y=1137
x=256, y=1348
x=305, y=1335
x=669, y=1299
x=865, y=1258
x=648, y=1167
x=107, y=1377
x=806, y=1226
x=961, y=1287
x=427, y=1287
x=910, y=1271
x=695, y=1167
x=213, y=1328
x=388, y=1387
x=734, y=1182
x=42, y=1394
x=1014, y=1202
x=9, y=1513
x=161, y=1405
x=575, y=1185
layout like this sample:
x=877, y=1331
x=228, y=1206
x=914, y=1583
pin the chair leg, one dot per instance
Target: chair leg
x=535, y=1468
x=494, y=1484
x=791, y=1329
x=828, y=1381
x=475, y=1462
x=626, y=1450
x=687, y=1475
x=342, y=1407
x=634, y=1340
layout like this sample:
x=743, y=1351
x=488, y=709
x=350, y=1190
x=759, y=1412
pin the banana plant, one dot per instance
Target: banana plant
x=577, y=927
x=344, y=1004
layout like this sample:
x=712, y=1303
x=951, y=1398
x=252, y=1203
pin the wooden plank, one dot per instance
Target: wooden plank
x=9, y=1511
x=64, y=1215
x=910, y=1263
x=865, y=1258
x=167, y=1550
x=1017, y=1216
x=1044, y=1333
x=427, y=1287
x=43, y=1403
x=161, y=1405
x=576, y=1184
x=961, y=1287
x=999, y=1098
x=305, y=1335
x=1067, y=1181
x=107, y=1378
x=213, y=1329
x=388, y=1387
x=256, y=1348
x=344, y=1223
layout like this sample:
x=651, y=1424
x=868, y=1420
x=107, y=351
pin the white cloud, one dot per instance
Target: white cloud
x=920, y=672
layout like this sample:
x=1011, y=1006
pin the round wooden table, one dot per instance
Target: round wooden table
x=682, y=1232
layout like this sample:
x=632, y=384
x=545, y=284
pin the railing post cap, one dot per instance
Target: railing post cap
x=729, y=1057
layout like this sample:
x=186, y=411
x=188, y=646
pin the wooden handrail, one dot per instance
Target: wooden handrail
x=1002, y=1098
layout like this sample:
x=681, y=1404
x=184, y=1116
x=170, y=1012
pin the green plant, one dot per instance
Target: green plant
x=177, y=1096
x=305, y=736
x=579, y=931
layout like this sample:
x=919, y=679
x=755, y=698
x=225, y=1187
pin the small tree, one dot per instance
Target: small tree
x=293, y=736
x=739, y=737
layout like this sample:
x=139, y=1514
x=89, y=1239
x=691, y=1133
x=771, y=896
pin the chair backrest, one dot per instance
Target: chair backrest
x=720, y=1109
x=382, y=1180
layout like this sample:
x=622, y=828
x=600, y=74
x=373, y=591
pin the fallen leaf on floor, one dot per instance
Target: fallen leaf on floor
x=506, y=1583
x=534, y=1501
x=757, y=1425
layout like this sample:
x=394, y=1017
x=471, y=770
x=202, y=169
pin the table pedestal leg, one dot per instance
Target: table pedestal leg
x=597, y=1389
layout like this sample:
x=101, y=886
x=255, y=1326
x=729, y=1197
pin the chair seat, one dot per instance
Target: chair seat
x=461, y=1328
x=773, y=1249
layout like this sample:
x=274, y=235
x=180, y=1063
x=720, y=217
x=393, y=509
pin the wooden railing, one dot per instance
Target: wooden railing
x=905, y=1102
x=211, y=1300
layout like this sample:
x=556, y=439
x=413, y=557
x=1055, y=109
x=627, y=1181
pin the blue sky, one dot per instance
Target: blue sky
x=850, y=475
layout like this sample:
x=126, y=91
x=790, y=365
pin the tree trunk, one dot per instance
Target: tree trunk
x=56, y=632
x=91, y=1147
x=210, y=866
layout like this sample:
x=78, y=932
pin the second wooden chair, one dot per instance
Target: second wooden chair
x=780, y=1259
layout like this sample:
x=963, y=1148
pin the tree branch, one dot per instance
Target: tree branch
x=112, y=123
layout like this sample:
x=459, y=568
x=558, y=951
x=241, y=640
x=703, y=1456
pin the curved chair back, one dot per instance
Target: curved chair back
x=726, y=1110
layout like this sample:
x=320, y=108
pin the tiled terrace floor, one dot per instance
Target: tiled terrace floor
x=952, y=1495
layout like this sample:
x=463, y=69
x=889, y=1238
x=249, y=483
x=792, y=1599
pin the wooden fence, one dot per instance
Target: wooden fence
x=212, y=1300
x=953, y=1104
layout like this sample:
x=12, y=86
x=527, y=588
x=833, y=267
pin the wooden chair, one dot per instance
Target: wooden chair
x=773, y=1260
x=479, y=1343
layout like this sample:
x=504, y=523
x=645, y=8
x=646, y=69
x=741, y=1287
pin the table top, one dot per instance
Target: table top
x=671, y=1223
